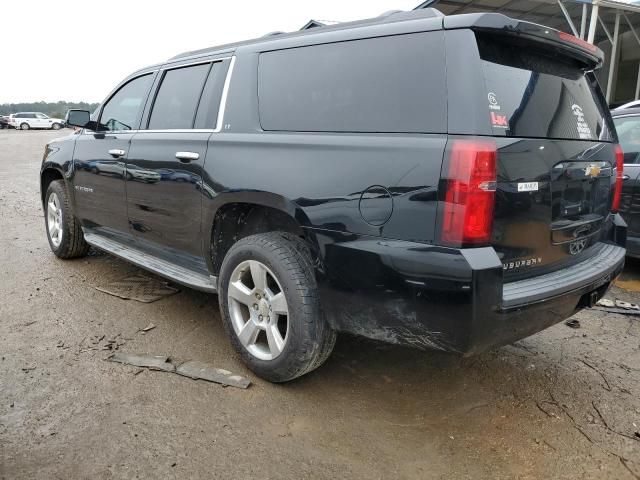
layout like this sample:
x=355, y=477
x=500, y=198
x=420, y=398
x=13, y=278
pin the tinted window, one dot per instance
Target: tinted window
x=123, y=110
x=388, y=84
x=628, y=129
x=177, y=100
x=530, y=94
x=210, y=101
x=42, y=116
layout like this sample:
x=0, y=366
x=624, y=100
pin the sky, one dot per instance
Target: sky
x=79, y=51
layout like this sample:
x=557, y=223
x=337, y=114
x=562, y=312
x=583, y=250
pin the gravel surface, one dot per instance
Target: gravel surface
x=562, y=404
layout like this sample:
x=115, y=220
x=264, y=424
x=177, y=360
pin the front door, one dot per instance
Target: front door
x=99, y=160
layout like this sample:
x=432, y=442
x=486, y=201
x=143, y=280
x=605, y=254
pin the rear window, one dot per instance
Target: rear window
x=386, y=84
x=533, y=94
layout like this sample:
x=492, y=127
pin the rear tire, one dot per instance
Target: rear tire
x=270, y=306
x=24, y=126
x=63, y=230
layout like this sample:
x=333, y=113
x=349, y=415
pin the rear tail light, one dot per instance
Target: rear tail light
x=470, y=193
x=617, y=192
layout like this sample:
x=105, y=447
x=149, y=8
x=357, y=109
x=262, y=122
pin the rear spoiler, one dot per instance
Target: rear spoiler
x=589, y=55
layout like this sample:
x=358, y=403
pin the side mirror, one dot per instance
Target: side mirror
x=77, y=118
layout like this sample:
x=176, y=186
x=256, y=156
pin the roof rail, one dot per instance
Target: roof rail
x=399, y=15
x=387, y=17
x=271, y=34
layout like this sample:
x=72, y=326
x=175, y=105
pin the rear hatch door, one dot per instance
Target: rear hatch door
x=556, y=157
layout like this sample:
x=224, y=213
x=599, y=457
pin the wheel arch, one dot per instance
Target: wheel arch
x=241, y=214
x=48, y=175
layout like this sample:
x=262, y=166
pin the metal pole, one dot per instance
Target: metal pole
x=593, y=23
x=606, y=30
x=568, y=18
x=613, y=60
x=638, y=84
x=583, y=22
x=633, y=30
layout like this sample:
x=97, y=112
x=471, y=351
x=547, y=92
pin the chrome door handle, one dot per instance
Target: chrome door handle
x=626, y=177
x=187, y=156
x=116, y=152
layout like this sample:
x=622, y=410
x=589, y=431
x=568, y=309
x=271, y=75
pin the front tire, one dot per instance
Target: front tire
x=24, y=126
x=63, y=230
x=270, y=306
x=56, y=126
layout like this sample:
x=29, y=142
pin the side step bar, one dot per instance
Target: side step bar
x=176, y=273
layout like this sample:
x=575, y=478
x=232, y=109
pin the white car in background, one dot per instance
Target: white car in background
x=28, y=120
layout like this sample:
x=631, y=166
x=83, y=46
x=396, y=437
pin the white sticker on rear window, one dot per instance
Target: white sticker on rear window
x=584, y=131
x=528, y=187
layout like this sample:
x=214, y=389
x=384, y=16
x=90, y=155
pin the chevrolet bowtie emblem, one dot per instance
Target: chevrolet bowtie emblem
x=592, y=171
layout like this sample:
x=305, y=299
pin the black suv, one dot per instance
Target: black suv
x=627, y=122
x=440, y=182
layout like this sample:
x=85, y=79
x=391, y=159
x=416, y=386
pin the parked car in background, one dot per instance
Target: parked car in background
x=440, y=182
x=4, y=121
x=634, y=104
x=28, y=120
x=627, y=122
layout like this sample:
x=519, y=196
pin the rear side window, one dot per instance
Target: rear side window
x=531, y=94
x=207, y=115
x=628, y=129
x=176, y=102
x=387, y=84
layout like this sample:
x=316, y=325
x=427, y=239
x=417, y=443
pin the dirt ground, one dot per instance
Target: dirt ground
x=562, y=404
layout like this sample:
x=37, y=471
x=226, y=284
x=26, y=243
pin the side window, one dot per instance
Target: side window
x=30, y=115
x=123, y=110
x=207, y=115
x=41, y=116
x=386, y=84
x=177, y=99
x=628, y=129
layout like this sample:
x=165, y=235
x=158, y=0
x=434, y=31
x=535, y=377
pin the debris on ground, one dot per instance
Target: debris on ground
x=621, y=311
x=149, y=327
x=627, y=305
x=154, y=362
x=100, y=342
x=192, y=368
x=28, y=369
x=617, y=306
x=605, y=302
x=139, y=287
x=574, y=323
x=200, y=370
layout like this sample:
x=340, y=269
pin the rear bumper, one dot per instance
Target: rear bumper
x=453, y=300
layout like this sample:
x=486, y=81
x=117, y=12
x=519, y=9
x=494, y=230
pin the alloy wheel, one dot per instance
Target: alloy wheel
x=258, y=310
x=54, y=219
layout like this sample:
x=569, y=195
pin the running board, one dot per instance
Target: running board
x=176, y=273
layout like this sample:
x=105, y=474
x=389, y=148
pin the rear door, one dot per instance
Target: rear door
x=99, y=159
x=166, y=159
x=42, y=121
x=556, y=156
